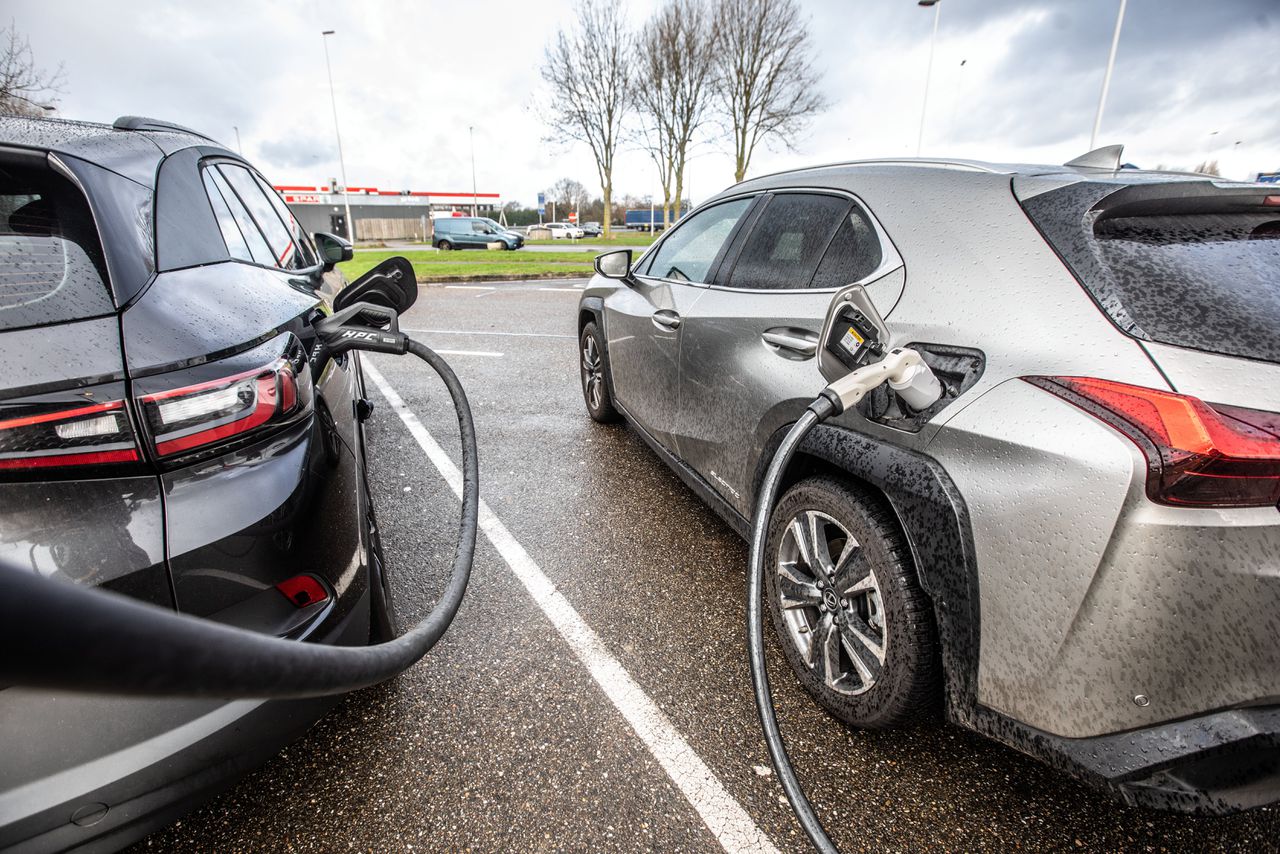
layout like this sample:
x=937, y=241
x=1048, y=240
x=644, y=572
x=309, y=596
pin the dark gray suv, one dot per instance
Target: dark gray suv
x=1075, y=551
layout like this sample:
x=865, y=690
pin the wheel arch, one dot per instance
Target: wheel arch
x=935, y=521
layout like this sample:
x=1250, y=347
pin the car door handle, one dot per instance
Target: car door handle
x=666, y=319
x=793, y=340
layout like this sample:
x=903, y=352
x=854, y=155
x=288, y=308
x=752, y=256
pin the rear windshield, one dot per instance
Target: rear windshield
x=1191, y=268
x=51, y=266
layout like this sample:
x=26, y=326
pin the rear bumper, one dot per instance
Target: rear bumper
x=108, y=802
x=1214, y=764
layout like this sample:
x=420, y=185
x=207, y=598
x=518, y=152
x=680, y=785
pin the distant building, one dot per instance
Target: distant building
x=381, y=214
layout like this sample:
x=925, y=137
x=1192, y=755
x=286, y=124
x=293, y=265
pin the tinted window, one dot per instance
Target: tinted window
x=258, y=248
x=854, y=253
x=306, y=256
x=689, y=251
x=788, y=241
x=51, y=265
x=1184, y=265
x=284, y=250
x=231, y=236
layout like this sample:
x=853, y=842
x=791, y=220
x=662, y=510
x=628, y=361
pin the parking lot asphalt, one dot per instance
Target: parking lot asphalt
x=509, y=737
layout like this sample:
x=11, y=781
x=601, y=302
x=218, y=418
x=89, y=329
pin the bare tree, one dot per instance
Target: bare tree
x=25, y=90
x=768, y=88
x=587, y=71
x=675, y=87
x=1208, y=167
x=569, y=195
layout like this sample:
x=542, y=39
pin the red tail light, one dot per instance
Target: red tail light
x=184, y=419
x=97, y=434
x=1197, y=454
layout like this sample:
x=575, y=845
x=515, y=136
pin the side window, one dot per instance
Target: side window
x=787, y=242
x=231, y=236
x=854, y=253
x=479, y=227
x=306, y=252
x=690, y=250
x=284, y=251
x=259, y=251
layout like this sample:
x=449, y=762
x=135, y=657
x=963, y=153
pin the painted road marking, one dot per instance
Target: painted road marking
x=468, y=353
x=731, y=825
x=482, y=332
x=570, y=290
x=470, y=288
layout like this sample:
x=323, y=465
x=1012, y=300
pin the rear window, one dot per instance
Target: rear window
x=1178, y=264
x=51, y=264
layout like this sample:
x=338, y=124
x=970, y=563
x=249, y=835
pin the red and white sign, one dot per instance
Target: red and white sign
x=573, y=217
x=302, y=199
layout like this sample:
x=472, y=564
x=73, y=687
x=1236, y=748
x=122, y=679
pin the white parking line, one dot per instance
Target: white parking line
x=468, y=353
x=486, y=332
x=731, y=825
x=469, y=288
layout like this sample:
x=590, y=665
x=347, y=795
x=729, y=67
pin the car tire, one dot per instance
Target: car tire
x=444, y=246
x=861, y=599
x=595, y=387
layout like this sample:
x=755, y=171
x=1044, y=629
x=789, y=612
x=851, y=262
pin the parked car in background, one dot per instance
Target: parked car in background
x=166, y=435
x=472, y=232
x=561, y=230
x=1076, y=551
x=592, y=229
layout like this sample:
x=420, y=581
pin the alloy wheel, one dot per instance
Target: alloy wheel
x=592, y=373
x=831, y=604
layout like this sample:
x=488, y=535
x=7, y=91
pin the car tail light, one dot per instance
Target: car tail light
x=1197, y=454
x=97, y=434
x=194, y=416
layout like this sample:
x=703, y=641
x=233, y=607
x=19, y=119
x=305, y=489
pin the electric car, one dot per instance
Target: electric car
x=1076, y=551
x=166, y=434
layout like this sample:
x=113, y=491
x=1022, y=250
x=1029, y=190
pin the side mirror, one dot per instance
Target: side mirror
x=853, y=334
x=391, y=284
x=333, y=249
x=615, y=265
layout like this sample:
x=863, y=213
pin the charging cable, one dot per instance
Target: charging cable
x=64, y=636
x=913, y=380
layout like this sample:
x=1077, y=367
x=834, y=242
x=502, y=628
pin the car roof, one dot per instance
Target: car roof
x=932, y=175
x=132, y=147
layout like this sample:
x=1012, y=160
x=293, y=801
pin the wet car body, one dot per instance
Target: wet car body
x=1083, y=616
x=165, y=434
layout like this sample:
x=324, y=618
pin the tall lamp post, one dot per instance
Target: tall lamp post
x=1106, y=78
x=475, y=208
x=342, y=167
x=928, y=74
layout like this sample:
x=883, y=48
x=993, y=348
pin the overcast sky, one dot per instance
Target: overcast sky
x=1012, y=80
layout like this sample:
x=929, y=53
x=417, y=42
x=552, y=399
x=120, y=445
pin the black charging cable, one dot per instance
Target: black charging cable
x=63, y=636
x=820, y=410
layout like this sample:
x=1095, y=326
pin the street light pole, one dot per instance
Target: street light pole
x=475, y=208
x=342, y=166
x=239, y=148
x=928, y=74
x=1106, y=78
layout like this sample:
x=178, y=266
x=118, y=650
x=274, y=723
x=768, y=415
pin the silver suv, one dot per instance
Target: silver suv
x=1077, y=550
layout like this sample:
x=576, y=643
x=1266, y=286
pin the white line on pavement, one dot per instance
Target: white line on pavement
x=469, y=288
x=570, y=290
x=731, y=825
x=486, y=332
x=468, y=353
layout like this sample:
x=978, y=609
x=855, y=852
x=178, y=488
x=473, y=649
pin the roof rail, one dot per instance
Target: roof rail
x=1107, y=157
x=950, y=163
x=142, y=123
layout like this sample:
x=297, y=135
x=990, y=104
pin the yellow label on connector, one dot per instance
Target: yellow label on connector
x=851, y=340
